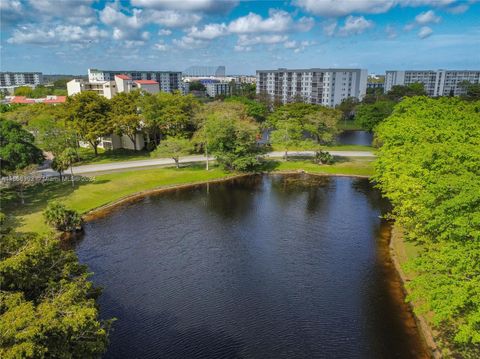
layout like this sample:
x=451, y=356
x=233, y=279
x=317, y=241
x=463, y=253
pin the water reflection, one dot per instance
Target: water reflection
x=260, y=267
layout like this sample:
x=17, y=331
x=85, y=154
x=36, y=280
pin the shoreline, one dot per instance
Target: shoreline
x=424, y=329
x=107, y=208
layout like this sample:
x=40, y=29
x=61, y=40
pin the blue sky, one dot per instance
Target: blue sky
x=69, y=36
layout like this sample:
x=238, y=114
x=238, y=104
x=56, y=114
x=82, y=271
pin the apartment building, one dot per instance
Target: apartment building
x=168, y=81
x=10, y=80
x=108, y=89
x=436, y=83
x=327, y=87
x=215, y=89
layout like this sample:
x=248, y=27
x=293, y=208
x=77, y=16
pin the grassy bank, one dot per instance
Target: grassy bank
x=107, y=188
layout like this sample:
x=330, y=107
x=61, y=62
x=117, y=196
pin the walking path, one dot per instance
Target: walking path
x=115, y=166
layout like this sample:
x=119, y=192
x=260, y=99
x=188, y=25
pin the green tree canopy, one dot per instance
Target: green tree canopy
x=89, y=114
x=174, y=148
x=369, y=115
x=429, y=167
x=125, y=115
x=17, y=149
x=255, y=109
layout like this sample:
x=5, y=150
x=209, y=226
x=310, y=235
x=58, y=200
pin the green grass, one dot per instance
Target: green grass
x=88, y=156
x=350, y=166
x=348, y=125
x=101, y=190
x=108, y=188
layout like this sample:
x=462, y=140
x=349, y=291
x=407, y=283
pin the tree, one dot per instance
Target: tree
x=255, y=109
x=125, y=116
x=287, y=134
x=169, y=114
x=23, y=91
x=368, y=116
x=398, y=92
x=173, y=147
x=47, y=307
x=230, y=134
x=472, y=91
x=17, y=150
x=428, y=167
x=89, y=114
x=62, y=218
x=196, y=86
x=347, y=107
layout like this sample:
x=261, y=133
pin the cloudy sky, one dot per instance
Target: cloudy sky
x=69, y=36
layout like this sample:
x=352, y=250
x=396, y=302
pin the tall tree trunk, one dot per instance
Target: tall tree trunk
x=60, y=174
x=285, y=156
x=206, y=155
x=177, y=162
x=71, y=175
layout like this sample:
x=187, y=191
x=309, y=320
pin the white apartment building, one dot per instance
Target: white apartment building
x=327, y=87
x=108, y=89
x=218, y=88
x=436, y=83
x=10, y=80
x=168, y=81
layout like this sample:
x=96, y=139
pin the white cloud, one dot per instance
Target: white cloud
x=424, y=32
x=209, y=32
x=247, y=40
x=391, y=32
x=164, y=32
x=211, y=6
x=59, y=34
x=11, y=11
x=329, y=28
x=297, y=46
x=305, y=24
x=459, y=9
x=187, y=42
x=160, y=46
x=278, y=21
x=79, y=11
x=355, y=25
x=239, y=48
x=171, y=18
x=427, y=17
x=336, y=8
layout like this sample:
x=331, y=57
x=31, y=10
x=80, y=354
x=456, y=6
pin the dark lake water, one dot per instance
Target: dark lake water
x=257, y=267
x=351, y=137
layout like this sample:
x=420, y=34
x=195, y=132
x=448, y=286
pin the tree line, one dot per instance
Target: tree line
x=376, y=106
x=429, y=168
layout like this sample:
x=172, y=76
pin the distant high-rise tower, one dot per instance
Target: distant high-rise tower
x=205, y=71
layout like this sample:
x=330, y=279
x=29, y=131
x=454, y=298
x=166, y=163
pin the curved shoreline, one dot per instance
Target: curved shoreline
x=423, y=329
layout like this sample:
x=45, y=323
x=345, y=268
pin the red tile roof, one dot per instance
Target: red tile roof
x=21, y=99
x=123, y=77
x=146, y=82
x=57, y=99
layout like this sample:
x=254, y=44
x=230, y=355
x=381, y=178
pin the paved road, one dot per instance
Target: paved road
x=115, y=166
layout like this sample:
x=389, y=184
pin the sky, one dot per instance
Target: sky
x=70, y=36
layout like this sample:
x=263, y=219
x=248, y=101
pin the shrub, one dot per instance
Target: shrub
x=62, y=218
x=323, y=157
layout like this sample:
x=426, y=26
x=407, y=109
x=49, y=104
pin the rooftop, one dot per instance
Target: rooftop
x=123, y=77
x=146, y=82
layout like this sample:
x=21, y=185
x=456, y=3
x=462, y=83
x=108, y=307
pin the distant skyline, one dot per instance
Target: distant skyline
x=67, y=37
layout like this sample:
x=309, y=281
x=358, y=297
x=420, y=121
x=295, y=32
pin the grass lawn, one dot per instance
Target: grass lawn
x=107, y=188
x=348, y=125
x=348, y=166
x=101, y=190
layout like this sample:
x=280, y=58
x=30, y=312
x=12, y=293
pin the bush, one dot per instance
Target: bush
x=62, y=218
x=323, y=157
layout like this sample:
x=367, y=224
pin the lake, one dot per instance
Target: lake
x=272, y=266
x=355, y=137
